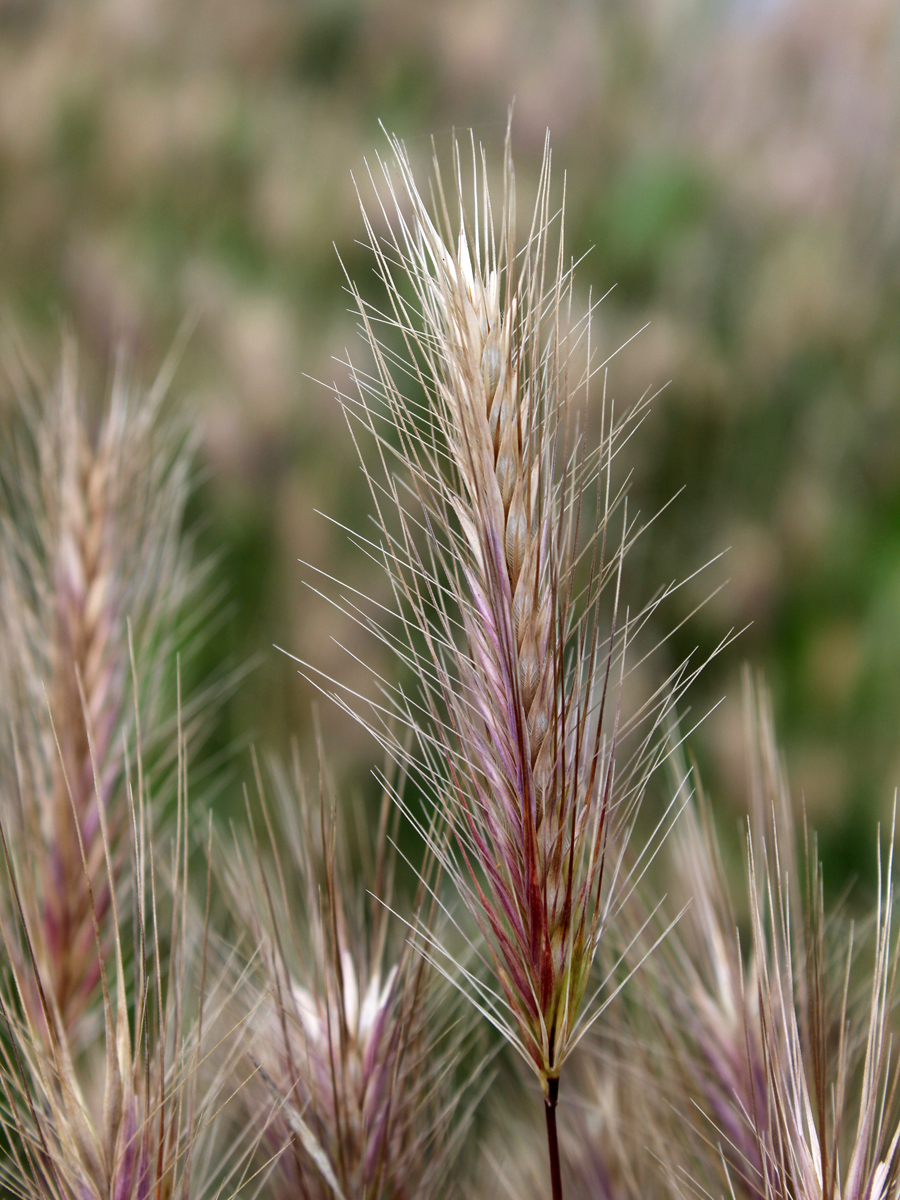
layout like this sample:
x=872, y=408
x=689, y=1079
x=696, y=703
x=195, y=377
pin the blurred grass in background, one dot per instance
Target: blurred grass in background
x=735, y=165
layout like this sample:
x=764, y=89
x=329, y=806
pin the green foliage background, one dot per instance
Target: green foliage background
x=732, y=166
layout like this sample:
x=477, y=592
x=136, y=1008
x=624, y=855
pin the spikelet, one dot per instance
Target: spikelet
x=352, y=1040
x=90, y=548
x=496, y=533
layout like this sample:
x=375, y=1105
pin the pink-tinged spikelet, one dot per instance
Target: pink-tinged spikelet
x=702, y=1002
x=92, y=574
x=781, y=1049
x=495, y=531
x=352, y=1040
x=830, y=1125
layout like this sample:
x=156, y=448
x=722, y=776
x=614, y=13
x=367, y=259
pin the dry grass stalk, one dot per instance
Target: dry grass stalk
x=352, y=1037
x=90, y=556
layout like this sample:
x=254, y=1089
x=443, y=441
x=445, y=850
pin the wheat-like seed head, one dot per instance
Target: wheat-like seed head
x=701, y=1002
x=130, y=1116
x=353, y=1042
x=495, y=528
x=762, y=1041
x=93, y=572
x=818, y=1137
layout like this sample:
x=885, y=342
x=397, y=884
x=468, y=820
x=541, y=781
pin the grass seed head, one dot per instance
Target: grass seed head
x=93, y=571
x=123, y=1117
x=353, y=1043
x=781, y=1095
x=497, y=534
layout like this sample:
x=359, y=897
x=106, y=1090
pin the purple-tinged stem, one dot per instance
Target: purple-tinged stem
x=550, y=1103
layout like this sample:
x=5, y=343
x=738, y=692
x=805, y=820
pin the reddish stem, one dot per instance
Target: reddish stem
x=550, y=1103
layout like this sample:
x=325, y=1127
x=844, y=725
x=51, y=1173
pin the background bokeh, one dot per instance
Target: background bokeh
x=735, y=165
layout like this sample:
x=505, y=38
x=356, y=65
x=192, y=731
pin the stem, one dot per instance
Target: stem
x=550, y=1102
